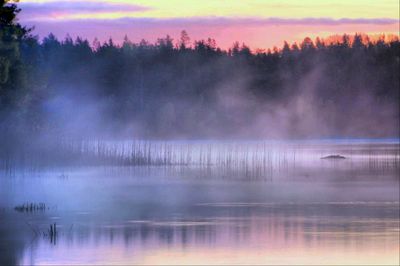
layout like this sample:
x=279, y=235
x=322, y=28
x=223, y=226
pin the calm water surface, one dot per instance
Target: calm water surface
x=310, y=211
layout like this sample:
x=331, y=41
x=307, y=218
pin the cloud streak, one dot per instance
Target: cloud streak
x=39, y=11
x=253, y=21
x=104, y=19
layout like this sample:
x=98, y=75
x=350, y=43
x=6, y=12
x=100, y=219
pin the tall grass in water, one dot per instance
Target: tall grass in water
x=251, y=158
x=31, y=207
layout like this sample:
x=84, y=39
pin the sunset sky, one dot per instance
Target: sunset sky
x=258, y=23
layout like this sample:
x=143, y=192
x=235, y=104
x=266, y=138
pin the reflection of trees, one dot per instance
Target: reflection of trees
x=15, y=237
x=264, y=224
x=268, y=225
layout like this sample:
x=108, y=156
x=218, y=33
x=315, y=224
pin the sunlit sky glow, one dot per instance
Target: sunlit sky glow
x=258, y=23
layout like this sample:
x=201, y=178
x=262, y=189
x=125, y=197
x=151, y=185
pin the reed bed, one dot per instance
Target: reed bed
x=31, y=207
x=247, y=157
x=225, y=153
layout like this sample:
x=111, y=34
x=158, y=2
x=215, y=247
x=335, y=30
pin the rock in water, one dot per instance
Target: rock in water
x=336, y=156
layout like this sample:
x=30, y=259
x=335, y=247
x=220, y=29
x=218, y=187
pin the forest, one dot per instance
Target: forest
x=342, y=86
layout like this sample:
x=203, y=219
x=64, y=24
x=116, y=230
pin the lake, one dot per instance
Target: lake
x=212, y=203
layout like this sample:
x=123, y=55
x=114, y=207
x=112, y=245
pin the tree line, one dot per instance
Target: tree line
x=347, y=86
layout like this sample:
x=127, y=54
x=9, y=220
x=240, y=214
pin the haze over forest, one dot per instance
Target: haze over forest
x=347, y=86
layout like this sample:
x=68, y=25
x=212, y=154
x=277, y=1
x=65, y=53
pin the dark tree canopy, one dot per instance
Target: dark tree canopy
x=340, y=86
x=12, y=36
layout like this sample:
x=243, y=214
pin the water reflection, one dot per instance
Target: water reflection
x=313, y=212
x=262, y=233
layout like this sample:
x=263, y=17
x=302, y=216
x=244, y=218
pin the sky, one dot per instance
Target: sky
x=258, y=23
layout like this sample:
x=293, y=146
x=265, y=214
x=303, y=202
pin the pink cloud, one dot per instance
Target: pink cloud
x=258, y=33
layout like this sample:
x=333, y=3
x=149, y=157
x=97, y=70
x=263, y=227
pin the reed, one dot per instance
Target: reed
x=251, y=157
x=31, y=207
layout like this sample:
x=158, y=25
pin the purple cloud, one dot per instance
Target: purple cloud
x=250, y=21
x=33, y=11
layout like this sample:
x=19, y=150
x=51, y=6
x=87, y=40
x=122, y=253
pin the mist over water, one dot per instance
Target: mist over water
x=207, y=202
x=180, y=152
x=182, y=89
